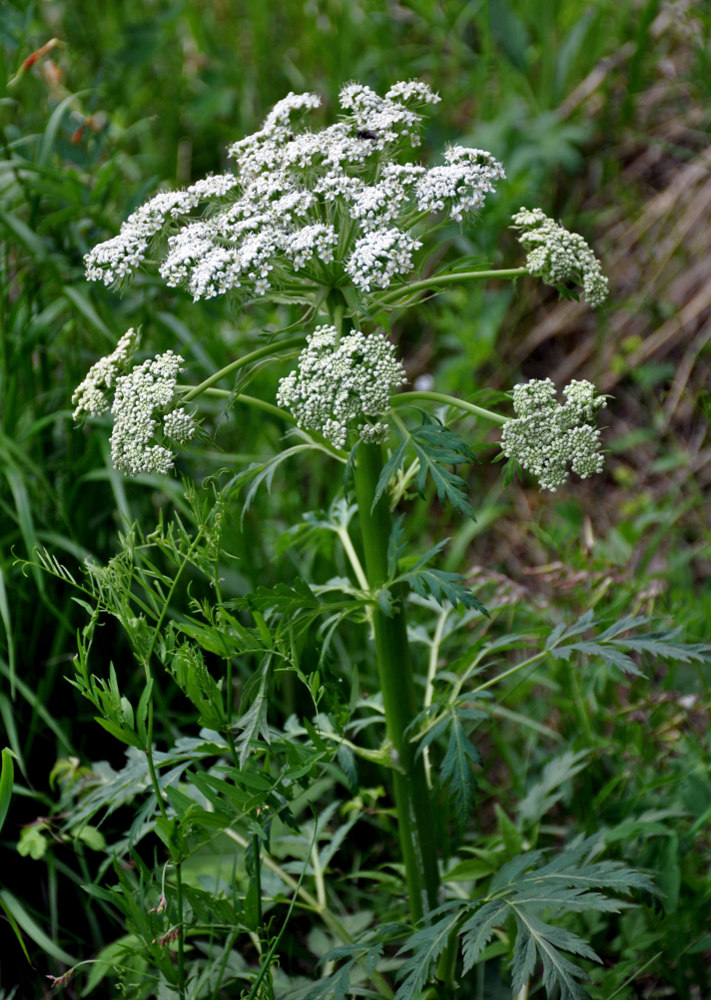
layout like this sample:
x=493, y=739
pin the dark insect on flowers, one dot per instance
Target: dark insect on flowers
x=366, y=133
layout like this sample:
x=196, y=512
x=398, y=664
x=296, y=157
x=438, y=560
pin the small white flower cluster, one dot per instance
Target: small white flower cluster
x=339, y=383
x=461, y=184
x=379, y=255
x=119, y=257
x=139, y=409
x=90, y=397
x=548, y=436
x=559, y=256
x=303, y=204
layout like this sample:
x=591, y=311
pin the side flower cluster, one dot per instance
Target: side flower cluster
x=559, y=256
x=90, y=397
x=143, y=407
x=305, y=207
x=341, y=385
x=548, y=436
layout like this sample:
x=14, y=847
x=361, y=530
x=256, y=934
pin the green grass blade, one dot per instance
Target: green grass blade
x=31, y=697
x=7, y=776
x=7, y=713
x=16, y=929
x=13, y=907
x=5, y=616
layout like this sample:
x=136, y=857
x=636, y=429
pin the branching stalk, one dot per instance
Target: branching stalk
x=279, y=348
x=403, y=398
x=436, y=281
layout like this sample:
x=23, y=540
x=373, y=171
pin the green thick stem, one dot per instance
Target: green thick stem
x=412, y=798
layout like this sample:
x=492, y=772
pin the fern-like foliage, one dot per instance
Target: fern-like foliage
x=614, y=644
x=535, y=892
x=455, y=771
x=427, y=581
x=436, y=447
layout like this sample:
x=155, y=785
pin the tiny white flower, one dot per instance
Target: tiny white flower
x=379, y=256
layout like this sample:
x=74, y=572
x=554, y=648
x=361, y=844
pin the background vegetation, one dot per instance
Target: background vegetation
x=600, y=113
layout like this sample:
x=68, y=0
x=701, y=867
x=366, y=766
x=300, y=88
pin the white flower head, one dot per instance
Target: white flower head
x=379, y=256
x=559, y=256
x=461, y=184
x=90, y=396
x=142, y=407
x=338, y=385
x=305, y=209
x=547, y=437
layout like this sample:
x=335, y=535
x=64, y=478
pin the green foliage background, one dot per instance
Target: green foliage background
x=137, y=94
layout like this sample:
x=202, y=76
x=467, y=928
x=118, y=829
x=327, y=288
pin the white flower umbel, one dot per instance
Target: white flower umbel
x=380, y=255
x=547, y=436
x=559, y=256
x=461, y=185
x=305, y=210
x=90, y=396
x=142, y=407
x=340, y=384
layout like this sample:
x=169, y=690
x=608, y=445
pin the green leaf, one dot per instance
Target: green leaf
x=436, y=447
x=456, y=770
x=33, y=842
x=13, y=923
x=427, y=945
x=570, y=882
x=612, y=647
x=187, y=668
x=93, y=838
x=510, y=834
x=548, y=790
x=254, y=721
x=7, y=776
x=13, y=907
x=262, y=473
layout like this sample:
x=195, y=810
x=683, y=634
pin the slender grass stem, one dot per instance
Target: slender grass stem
x=328, y=918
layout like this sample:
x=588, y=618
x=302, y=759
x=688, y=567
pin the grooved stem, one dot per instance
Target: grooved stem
x=412, y=798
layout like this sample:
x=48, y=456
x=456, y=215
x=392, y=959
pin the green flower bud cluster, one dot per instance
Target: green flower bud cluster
x=339, y=384
x=559, y=256
x=548, y=436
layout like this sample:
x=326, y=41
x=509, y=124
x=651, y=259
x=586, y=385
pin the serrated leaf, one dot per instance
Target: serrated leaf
x=443, y=586
x=569, y=882
x=427, y=945
x=547, y=791
x=436, y=448
x=456, y=770
x=254, y=721
x=612, y=646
